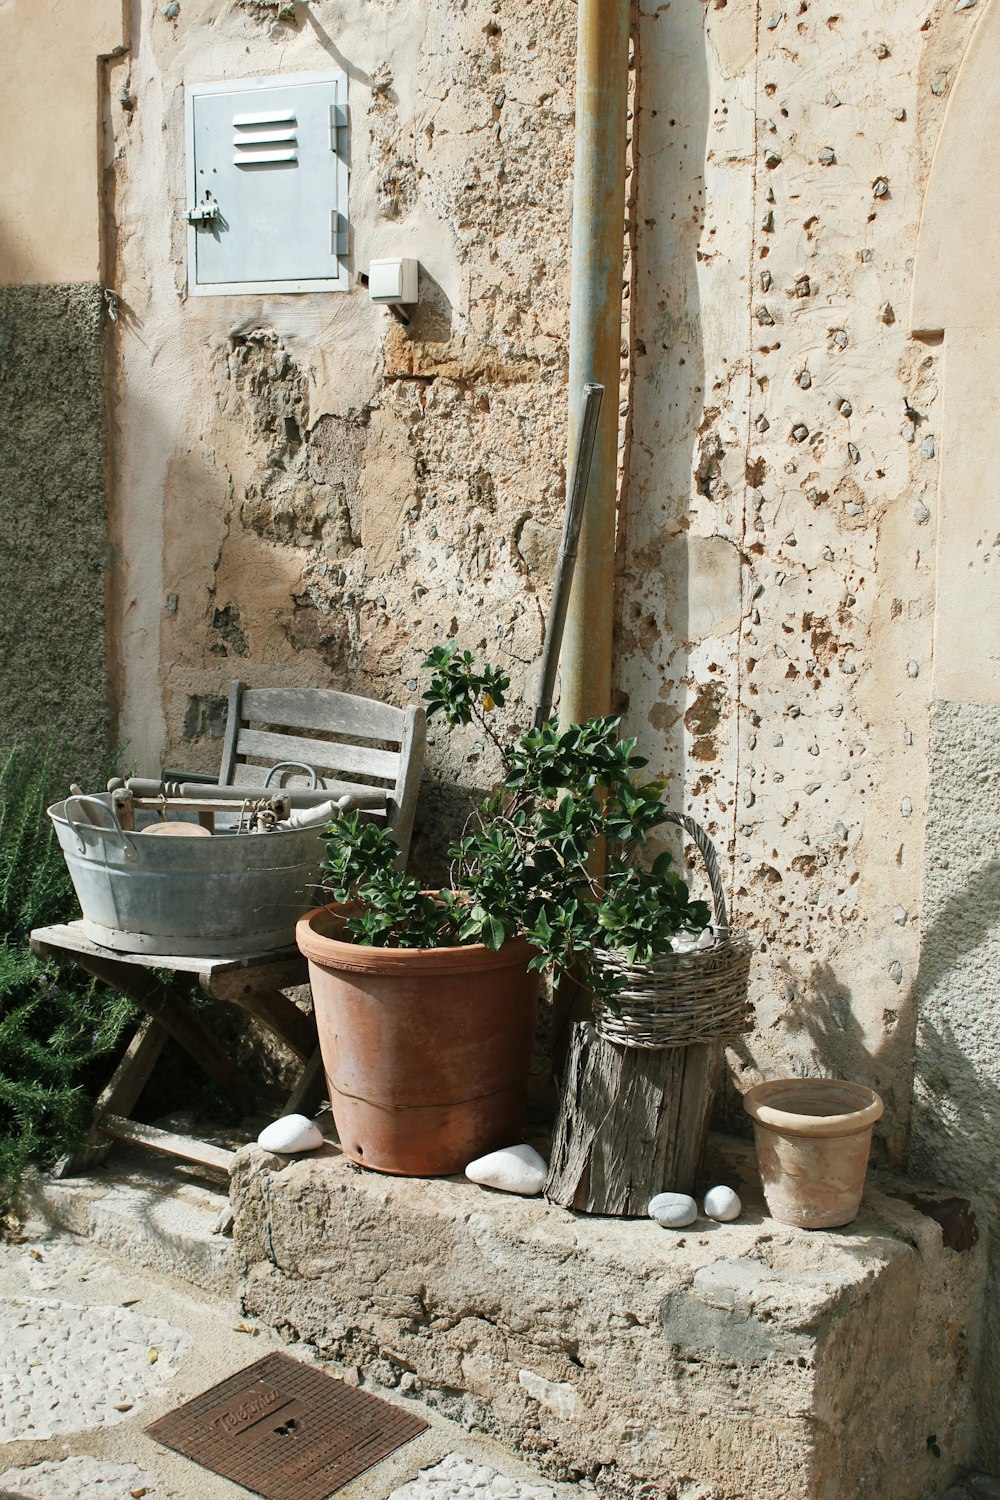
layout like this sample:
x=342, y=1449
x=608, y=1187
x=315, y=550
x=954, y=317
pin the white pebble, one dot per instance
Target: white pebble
x=689, y=942
x=673, y=1210
x=290, y=1134
x=723, y=1204
x=513, y=1169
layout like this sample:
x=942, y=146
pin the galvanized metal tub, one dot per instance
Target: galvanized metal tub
x=191, y=897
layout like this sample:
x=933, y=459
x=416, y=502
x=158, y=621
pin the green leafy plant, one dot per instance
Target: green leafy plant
x=521, y=867
x=53, y=1029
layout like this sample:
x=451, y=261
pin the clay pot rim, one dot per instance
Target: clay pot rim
x=760, y=1104
x=331, y=952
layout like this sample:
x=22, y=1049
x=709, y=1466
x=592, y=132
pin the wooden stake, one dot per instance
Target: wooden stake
x=632, y=1122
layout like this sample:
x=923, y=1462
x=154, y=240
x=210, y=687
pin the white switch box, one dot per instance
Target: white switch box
x=393, y=280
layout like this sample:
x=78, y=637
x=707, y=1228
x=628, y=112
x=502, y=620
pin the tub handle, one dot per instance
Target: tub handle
x=293, y=765
x=113, y=829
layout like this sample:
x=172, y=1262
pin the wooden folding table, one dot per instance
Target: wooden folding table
x=253, y=981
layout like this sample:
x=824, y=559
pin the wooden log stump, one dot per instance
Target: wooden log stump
x=632, y=1122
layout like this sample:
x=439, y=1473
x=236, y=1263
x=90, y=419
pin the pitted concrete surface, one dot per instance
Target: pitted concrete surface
x=65, y=1367
x=456, y=1478
x=80, y=1479
x=93, y=1348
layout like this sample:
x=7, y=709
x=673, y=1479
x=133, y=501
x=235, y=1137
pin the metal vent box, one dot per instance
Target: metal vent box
x=267, y=171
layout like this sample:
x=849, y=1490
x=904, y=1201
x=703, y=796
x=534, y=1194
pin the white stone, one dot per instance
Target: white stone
x=689, y=942
x=513, y=1169
x=723, y=1204
x=290, y=1134
x=673, y=1210
x=683, y=942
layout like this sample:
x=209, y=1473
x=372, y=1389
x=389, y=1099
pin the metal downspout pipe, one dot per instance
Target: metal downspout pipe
x=595, y=341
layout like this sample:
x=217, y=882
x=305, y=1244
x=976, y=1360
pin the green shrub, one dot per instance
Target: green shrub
x=55, y=1027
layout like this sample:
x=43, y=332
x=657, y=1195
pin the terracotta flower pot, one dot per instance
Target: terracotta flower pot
x=426, y=1050
x=813, y=1136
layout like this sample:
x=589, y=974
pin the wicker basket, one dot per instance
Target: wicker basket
x=682, y=998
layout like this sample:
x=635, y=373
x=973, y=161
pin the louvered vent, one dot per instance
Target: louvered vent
x=256, y=145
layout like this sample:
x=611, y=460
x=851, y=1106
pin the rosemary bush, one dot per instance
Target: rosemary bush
x=52, y=1028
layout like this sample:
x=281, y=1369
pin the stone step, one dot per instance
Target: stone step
x=748, y=1359
x=156, y=1213
x=94, y=1347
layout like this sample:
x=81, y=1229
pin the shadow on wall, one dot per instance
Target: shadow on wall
x=956, y=1104
x=964, y=1099
x=820, y=1012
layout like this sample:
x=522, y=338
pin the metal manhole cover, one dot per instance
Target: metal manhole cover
x=286, y=1431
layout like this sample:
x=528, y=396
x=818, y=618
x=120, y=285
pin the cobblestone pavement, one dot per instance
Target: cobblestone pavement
x=457, y=1478
x=64, y=1367
x=93, y=1349
x=80, y=1479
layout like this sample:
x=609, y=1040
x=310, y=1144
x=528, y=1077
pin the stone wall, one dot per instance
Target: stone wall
x=308, y=492
x=744, y=1361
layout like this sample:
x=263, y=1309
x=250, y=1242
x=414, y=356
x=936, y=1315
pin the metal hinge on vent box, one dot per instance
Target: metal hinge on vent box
x=267, y=170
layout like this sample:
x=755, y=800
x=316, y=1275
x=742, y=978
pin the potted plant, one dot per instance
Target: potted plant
x=425, y=1000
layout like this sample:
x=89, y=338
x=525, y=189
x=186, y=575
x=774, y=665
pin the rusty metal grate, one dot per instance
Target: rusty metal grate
x=286, y=1431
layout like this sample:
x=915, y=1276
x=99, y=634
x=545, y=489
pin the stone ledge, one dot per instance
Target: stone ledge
x=752, y=1360
x=153, y=1213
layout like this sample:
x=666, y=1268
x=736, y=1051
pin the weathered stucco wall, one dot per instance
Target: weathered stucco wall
x=778, y=555
x=307, y=492
x=809, y=553
x=53, y=522
x=50, y=196
x=53, y=512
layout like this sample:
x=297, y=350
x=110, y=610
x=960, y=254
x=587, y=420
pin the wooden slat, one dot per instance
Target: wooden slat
x=119, y=1096
x=310, y=1089
x=228, y=765
x=132, y=1074
x=319, y=753
x=322, y=708
x=404, y=796
x=163, y=1003
x=70, y=938
x=269, y=1005
x=183, y=1146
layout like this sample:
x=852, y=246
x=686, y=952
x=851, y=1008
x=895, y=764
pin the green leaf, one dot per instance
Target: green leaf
x=493, y=933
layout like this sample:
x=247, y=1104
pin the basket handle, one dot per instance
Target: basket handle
x=707, y=851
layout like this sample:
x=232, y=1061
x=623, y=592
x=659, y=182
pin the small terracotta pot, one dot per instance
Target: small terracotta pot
x=427, y=1051
x=813, y=1136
